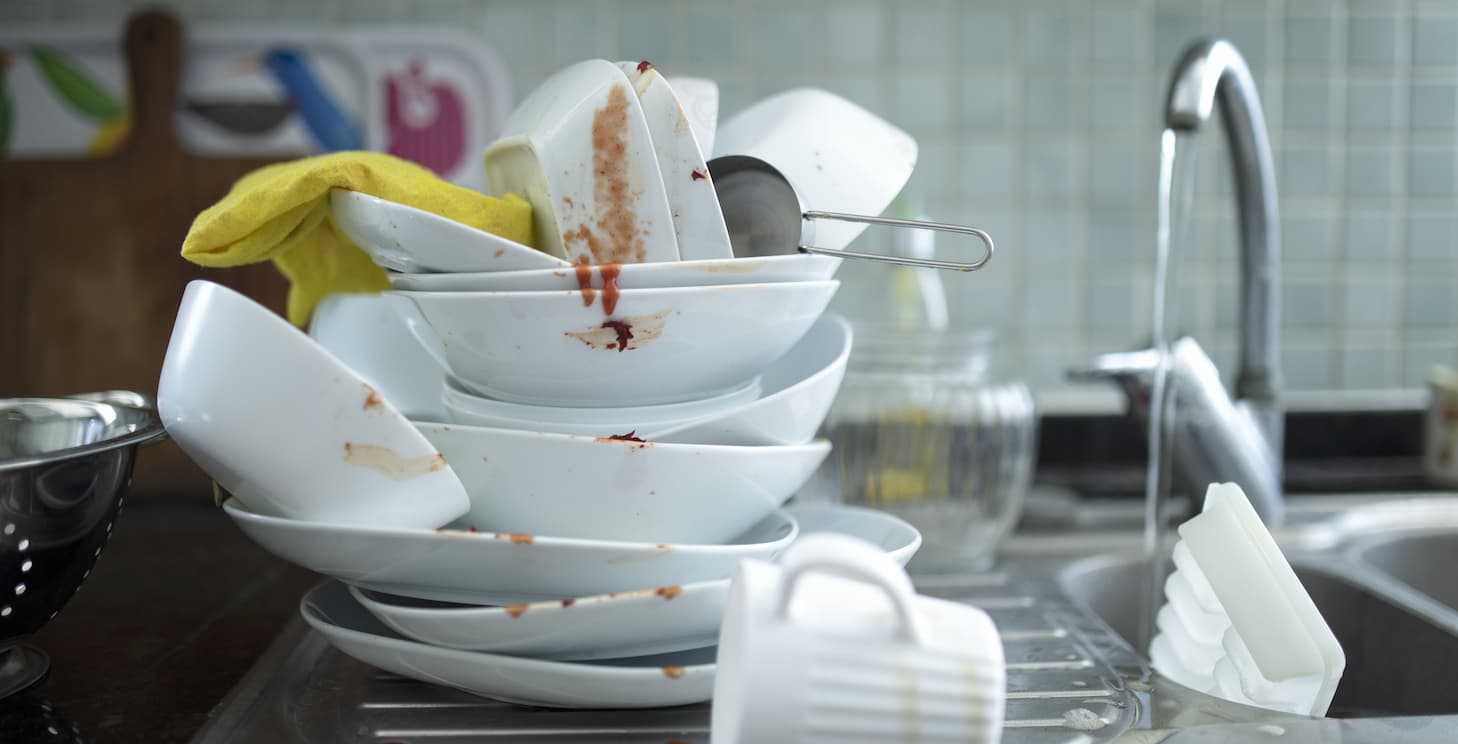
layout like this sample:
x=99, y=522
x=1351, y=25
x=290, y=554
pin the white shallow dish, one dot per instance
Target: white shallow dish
x=700, y=100
x=579, y=149
x=610, y=489
x=402, y=238
x=697, y=221
x=652, y=620
x=797, y=392
x=456, y=565
x=288, y=429
x=465, y=407
x=799, y=267
x=681, y=343
x=643, y=682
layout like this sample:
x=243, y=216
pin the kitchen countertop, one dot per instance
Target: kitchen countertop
x=176, y=611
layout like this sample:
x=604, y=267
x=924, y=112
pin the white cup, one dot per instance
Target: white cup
x=834, y=644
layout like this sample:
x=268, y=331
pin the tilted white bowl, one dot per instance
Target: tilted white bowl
x=678, y=344
x=799, y=267
x=287, y=428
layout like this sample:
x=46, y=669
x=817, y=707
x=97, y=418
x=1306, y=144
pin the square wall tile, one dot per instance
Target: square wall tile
x=1053, y=102
x=1117, y=102
x=853, y=32
x=1052, y=39
x=1117, y=32
x=1431, y=303
x=1430, y=172
x=1371, y=104
x=1308, y=237
x=1306, y=304
x=923, y=33
x=1419, y=358
x=1122, y=173
x=987, y=101
x=987, y=36
x=1050, y=168
x=1174, y=28
x=1370, y=172
x=1372, y=40
x=923, y=101
x=1308, y=39
x=781, y=44
x=1048, y=247
x=988, y=169
x=1435, y=41
x=1306, y=104
x=1308, y=368
x=645, y=31
x=1369, y=236
x=1434, y=105
x=1304, y=171
x=1053, y=303
x=1117, y=238
x=1371, y=305
x=1432, y=236
x=1370, y=367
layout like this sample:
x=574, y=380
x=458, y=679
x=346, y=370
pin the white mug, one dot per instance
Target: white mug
x=833, y=644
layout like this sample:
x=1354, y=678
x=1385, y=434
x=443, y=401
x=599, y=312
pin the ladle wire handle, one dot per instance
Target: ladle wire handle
x=929, y=263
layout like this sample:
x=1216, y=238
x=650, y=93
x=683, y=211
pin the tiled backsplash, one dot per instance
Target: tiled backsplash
x=1039, y=121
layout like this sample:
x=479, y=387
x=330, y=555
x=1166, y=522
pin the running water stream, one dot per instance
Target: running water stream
x=1176, y=198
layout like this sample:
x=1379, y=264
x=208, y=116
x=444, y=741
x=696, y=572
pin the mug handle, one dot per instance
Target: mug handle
x=857, y=560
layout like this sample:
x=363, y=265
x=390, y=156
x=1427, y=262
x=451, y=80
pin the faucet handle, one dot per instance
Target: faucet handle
x=1123, y=366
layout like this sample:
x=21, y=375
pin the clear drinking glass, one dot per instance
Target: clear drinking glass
x=921, y=429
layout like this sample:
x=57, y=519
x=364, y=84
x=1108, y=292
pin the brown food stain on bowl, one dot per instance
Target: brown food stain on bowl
x=669, y=592
x=390, y=463
x=631, y=438
x=614, y=237
x=673, y=672
x=516, y=610
x=568, y=602
x=516, y=538
x=372, y=400
x=623, y=334
x=584, y=281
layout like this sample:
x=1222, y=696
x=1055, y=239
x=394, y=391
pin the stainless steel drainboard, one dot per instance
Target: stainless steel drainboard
x=1070, y=679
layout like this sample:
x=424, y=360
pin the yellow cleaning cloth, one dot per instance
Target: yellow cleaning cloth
x=281, y=212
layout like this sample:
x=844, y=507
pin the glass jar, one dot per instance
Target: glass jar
x=922, y=430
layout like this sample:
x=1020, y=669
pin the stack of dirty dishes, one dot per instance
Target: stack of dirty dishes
x=530, y=472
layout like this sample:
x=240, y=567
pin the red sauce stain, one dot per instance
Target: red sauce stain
x=584, y=282
x=610, y=290
x=631, y=436
x=568, y=602
x=696, y=175
x=516, y=610
x=624, y=331
x=372, y=399
x=616, y=235
x=644, y=66
x=673, y=672
x=472, y=529
x=669, y=592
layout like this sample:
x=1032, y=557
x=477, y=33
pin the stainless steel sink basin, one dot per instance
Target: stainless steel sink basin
x=1399, y=663
x=1425, y=561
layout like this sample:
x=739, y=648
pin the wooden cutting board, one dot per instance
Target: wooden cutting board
x=90, y=271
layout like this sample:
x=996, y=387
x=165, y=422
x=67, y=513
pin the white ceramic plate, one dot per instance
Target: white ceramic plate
x=648, y=621
x=579, y=149
x=839, y=156
x=643, y=682
x=800, y=267
x=697, y=221
x=499, y=568
x=798, y=390
x=681, y=343
x=608, y=489
x=279, y=422
x=401, y=238
x=700, y=99
x=465, y=407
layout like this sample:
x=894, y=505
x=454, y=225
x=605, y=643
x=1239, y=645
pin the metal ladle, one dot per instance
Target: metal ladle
x=766, y=217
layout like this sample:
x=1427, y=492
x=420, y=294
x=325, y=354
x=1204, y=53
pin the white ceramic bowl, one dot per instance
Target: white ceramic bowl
x=697, y=220
x=839, y=156
x=798, y=390
x=610, y=489
x=285, y=427
x=371, y=334
x=579, y=149
x=800, y=267
x=402, y=238
x=645, y=422
x=678, y=343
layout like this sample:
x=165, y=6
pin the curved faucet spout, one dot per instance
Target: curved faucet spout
x=1211, y=70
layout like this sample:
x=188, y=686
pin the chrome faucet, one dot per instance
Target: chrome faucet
x=1217, y=439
